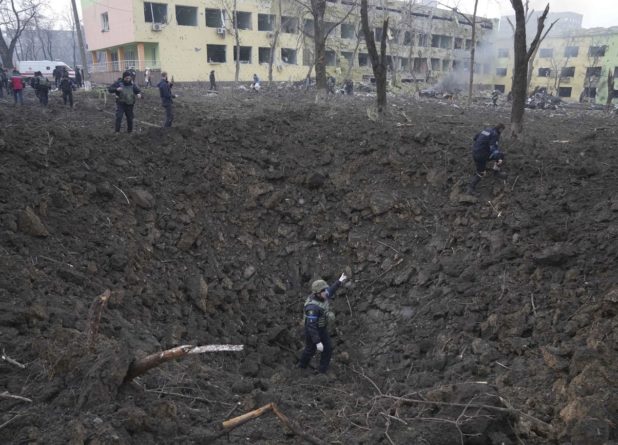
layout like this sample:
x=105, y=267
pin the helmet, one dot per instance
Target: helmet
x=318, y=286
x=127, y=73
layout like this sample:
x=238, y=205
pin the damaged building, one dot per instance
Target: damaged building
x=572, y=63
x=189, y=38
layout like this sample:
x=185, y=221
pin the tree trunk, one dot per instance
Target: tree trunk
x=237, y=41
x=472, y=53
x=610, y=89
x=378, y=61
x=318, y=7
x=522, y=57
x=273, y=45
x=80, y=39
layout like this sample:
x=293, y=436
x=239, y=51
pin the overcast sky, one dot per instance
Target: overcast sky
x=596, y=12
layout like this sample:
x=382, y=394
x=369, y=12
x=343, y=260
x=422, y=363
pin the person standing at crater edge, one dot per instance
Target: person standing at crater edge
x=316, y=317
x=126, y=92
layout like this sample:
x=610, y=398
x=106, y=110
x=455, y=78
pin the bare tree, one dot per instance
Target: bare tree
x=378, y=61
x=15, y=16
x=321, y=31
x=522, y=57
x=274, y=40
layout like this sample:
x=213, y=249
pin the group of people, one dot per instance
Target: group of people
x=15, y=85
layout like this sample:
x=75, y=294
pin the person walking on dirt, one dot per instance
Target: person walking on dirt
x=125, y=92
x=486, y=149
x=17, y=86
x=255, y=85
x=147, y=79
x=330, y=85
x=66, y=86
x=78, y=78
x=316, y=317
x=213, y=81
x=167, y=98
x=494, y=98
x=57, y=76
x=41, y=86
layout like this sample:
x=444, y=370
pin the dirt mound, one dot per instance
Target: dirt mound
x=488, y=320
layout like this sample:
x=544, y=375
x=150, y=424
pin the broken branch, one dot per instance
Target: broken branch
x=7, y=395
x=229, y=425
x=6, y=358
x=96, y=310
x=143, y=365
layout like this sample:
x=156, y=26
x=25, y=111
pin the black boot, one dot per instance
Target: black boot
x=471, y=189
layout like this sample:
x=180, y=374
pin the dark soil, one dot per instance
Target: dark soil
x=472, y=321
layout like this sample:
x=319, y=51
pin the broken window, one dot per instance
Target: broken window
x=544, y=72
x=289, y=25
x=243, y=20
x=597, y=51
x=499, y=88
x=590, y=92
x=571, y=51
x=288, y=55
x=330, y=58
x=593, y=71
x=215, y=53
x=435, y=41
x=564, y=91
x=446, y=42
x=266, y=22
x=104, y=22
x=546, y=53
x=503, y=52
x=407, y=38
x=458, y=43
x=616, y=71
x=245, y=54
x=348, y=31
x=155, y=12
x=567, y=71
x=423, y=40
x=435, y=64
x=347, y=55
x=186, y=15
x=264, y=55
x=501, y=72
x=420, y=65
x=308, y=28
x=215, y=18
x=378, y=34
x=329, y=27
x=363, y=59
x=468, y=44
x=446, y=65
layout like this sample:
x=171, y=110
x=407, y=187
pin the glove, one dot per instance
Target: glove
x=343, y=277
x=320, y=347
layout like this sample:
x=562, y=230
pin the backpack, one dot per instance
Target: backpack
x=43, y=83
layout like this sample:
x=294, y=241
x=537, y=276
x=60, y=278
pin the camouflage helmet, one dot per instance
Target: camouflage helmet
x=318, y=286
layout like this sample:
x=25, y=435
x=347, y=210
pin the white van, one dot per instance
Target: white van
x=27, y=68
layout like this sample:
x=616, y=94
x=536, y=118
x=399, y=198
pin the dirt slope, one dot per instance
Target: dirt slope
x=475, y=321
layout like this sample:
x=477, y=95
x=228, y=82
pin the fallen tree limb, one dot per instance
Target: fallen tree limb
x=230, y=424
x=7, y=395
x=8, y=359
x=96, y=310
x=142, y=365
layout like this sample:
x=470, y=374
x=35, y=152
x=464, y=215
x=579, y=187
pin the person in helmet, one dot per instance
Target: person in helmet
x=316, y=316
x=486, y=149
x=126, y=92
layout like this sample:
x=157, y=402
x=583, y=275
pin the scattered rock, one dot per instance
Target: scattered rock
x=29, y=223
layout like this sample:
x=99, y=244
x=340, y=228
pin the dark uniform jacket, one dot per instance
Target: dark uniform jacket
x=127, y=95
x=165, y=91
x=317, y=312
x=486, y=145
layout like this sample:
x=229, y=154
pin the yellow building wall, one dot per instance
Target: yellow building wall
x=557, y=61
